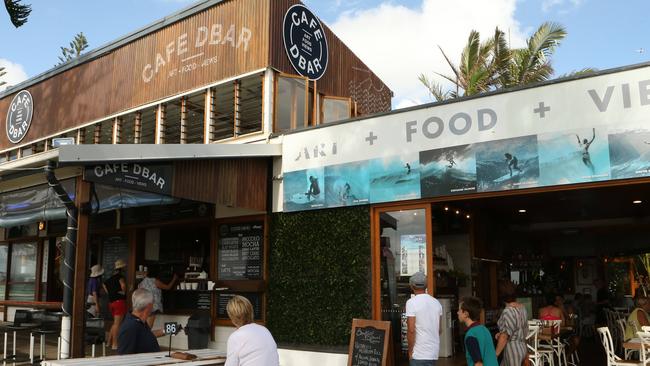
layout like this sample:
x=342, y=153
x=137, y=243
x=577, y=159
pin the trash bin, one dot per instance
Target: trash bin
x=198, y=331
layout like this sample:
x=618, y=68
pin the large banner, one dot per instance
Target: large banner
x=585, y=130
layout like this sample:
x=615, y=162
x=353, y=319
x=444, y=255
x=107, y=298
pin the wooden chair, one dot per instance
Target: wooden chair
x=608, y=344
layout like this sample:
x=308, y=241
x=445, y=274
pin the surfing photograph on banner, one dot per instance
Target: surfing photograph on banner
x=346, y=184
x=303, y=189
x=451, y=170
x=507, y=164
x=629, y=153
x=394, y=178
x=574, y=157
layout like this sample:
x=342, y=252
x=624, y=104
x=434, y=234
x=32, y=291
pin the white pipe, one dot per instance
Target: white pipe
x=65, y=337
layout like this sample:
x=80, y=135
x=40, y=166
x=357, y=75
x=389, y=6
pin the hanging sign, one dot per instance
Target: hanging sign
x=150, y=178
x=19, y=116
x=305, y=42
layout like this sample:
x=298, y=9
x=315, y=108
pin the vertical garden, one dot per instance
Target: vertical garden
x=319, y=275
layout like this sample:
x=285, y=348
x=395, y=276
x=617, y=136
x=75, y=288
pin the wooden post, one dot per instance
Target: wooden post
x=98, y=133
x=137, y=128
x=117, y=130
x=81, y=271
x=236, y=130
x=183, y=120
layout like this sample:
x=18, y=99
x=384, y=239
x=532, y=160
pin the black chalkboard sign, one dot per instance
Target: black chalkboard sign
x=369, y=343
x=114, y=248
x=254, y=297
x=240, y=252
x=187, y=300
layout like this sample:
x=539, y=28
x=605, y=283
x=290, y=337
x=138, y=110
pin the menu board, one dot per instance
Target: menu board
x=114, y=248
x=241, y=247
x=187, y=300
x=254, y=297
x=369, y=342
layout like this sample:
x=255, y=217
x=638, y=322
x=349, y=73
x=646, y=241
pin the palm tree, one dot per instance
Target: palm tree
x=18, y=13
x=491, y=64
x=532, y=63
x=77, y=46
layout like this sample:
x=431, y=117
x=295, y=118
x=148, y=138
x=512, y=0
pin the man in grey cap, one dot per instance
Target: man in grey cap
x=424, y=315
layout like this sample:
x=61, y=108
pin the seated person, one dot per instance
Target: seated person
x=134, y=335
x=251, y=344
x=638, y=317
x=551, y=311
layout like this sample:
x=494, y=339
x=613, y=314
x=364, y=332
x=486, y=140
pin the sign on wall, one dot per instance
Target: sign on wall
x=305, y=42
x=19, y=116
x=585, y=130
x=142, y=177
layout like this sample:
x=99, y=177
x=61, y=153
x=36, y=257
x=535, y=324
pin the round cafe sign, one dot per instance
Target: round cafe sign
x=19, y=116
x=305, y=42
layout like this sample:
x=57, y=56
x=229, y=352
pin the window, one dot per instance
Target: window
x=127, y=129
x=4, y=249
x=335, y=109
x=250, y=105
x=290, y=103
x=194, y=118
x=22, y=276
x=148, y=126
x=171, y=123
x=223, y=112
x=87, y=135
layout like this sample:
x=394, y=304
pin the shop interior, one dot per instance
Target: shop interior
x=590, y=241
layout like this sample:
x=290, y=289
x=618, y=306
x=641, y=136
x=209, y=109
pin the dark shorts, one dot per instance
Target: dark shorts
x=117, y=307
x=422, y=363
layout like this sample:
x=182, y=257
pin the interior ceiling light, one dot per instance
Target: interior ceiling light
x=522, y=211
x=457, y=212
x=636, y=202
x=467, y=216
x=446, y=208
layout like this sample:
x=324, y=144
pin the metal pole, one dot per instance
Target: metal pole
x=70, y=241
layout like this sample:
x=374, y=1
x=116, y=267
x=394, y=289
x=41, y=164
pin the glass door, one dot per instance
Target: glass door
x=402, y=247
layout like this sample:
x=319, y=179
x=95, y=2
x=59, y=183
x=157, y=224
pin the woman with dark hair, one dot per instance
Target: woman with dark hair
x=115, y=288
x=551, y=311
x=513, y=329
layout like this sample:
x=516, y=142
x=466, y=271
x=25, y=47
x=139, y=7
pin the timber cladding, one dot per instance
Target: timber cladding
x=346, y=74
x=238, y=182
x=225, y=40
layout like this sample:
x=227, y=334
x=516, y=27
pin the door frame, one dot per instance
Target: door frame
x=375, y=253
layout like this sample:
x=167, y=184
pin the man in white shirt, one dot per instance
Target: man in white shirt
x=424, y=314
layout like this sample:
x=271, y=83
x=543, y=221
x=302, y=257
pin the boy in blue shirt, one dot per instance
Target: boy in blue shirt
x=479, y=347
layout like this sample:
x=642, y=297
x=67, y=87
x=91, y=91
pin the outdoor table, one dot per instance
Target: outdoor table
x=204, y=357
x=631, y=345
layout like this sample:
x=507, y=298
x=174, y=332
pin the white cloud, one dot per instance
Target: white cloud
x=547, y=5
x=399, y=43
x=14, y=73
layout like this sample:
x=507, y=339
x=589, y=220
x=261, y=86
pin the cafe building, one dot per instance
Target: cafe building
x=164, y=142
x=543, y=187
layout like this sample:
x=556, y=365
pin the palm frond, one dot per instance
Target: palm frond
x=18, y=13
x=434, y=88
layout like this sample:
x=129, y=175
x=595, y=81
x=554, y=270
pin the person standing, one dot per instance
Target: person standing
x=93, y=288
x=152, y=283
x=479, y=348
x=423, y=318
x=115, y=288
x=251, y=344
x=513, y=329
x=135, y=335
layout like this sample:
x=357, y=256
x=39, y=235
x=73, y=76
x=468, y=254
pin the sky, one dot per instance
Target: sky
x=398, y=39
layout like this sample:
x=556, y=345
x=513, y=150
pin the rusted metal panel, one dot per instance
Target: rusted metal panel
x=226, y=40
x=231, y=182
x=346, y=74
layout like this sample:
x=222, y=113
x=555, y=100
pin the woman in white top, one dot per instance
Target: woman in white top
x=154, y=285
x=251, y=344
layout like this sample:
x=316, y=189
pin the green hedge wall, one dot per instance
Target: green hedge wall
x=319, y=270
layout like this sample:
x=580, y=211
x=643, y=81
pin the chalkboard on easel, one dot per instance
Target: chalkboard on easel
x=369, y=343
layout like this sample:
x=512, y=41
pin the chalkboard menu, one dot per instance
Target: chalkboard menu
x=369, y=342
x=254, y=297
x=187, y=300
x=114, y=248
x=241, y=247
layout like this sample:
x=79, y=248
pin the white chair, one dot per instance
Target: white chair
x=608, y=344
x=555, y=345
x=532, y=343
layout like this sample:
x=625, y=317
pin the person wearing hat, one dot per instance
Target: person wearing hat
x=93, y=289
x=423, y=318
x=115, y=287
